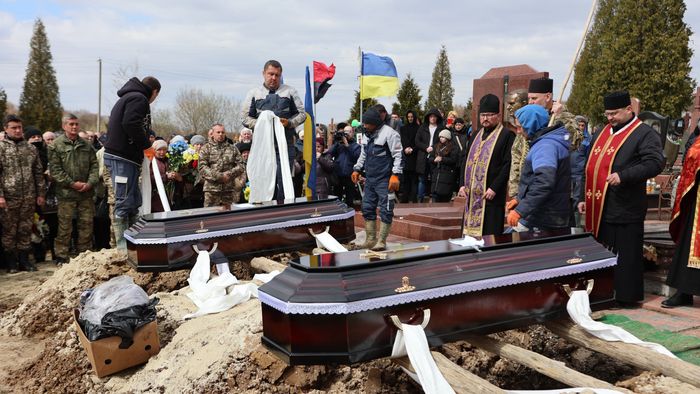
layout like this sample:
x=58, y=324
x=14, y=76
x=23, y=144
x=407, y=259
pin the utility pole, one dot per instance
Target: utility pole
x=99, y=96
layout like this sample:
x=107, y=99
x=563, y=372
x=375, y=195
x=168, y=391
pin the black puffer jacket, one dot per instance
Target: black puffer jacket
x=408, y=140
x=130, y=122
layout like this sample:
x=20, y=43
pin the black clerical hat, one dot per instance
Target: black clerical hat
x=541, y=85
x=616, y=100
x=489, y=103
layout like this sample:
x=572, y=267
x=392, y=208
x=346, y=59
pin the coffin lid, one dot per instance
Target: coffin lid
x=339, y=283
x=206, y=223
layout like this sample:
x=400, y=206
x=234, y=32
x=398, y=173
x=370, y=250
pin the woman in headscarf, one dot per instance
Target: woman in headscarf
x=160, y=169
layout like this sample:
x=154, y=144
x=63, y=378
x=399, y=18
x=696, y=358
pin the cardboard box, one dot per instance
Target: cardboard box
x=107, y=358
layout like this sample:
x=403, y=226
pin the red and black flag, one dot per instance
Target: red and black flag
x=322, y=74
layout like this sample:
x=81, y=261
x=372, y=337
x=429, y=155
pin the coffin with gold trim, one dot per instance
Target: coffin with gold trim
x=164, y=241
x=336, y=307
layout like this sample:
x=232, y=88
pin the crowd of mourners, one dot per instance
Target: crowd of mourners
x=523, y=165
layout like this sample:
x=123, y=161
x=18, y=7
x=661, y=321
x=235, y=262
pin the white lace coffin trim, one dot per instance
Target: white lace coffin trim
x=342, y=308
x=235, y=231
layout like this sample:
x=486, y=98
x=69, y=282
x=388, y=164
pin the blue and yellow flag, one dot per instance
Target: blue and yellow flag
x=378, y=77
x=309, y=140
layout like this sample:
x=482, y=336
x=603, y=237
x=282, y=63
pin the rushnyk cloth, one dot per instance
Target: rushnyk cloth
x=159, y=185
x=145, y=187
x=410, y=340
x=220, y=293
x=262, y=161
x=326, y=241
x=580, y=312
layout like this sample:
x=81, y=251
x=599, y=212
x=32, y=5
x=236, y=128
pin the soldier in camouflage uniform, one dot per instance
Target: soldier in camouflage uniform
x=516, y=100
x=73, y=166
x=220, y=165
x=21, y=189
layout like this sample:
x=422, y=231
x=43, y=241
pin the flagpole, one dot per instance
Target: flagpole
x=313, y=79
x=359, y=52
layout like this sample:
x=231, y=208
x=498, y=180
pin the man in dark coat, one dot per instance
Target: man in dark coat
x=622, y=157
x=409, y=184
x=427, y=136
x=487, y=167
x=127, y=138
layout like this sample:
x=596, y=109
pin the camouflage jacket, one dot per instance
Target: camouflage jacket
x=569, y=121
x=217, y=159
x=73, y=161
x=21, y=173
x=517, y=158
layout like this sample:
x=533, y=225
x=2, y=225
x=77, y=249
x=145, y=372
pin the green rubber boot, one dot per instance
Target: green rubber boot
x=371, y=235
x=384, y=229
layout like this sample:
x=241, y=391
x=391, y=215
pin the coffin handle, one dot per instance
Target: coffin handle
x=213, y=248
x=426, y=319
x=589, y=287
x=311, y=231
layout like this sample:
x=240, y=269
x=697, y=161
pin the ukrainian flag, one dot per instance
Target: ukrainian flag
x=309, y=141
x=378, y=77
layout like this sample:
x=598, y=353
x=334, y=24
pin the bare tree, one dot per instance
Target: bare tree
x=196, y=111
x=162, y=122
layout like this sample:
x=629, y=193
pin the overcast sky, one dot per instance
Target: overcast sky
x=220, y=46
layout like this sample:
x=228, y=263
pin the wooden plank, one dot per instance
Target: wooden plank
x=556, y=370
x=461, y=380
x=263, y=264
x=638, y=356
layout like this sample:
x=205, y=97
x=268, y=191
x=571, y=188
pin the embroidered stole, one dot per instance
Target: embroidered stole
x=475, y=172
x=690, y=202
x=599, y=167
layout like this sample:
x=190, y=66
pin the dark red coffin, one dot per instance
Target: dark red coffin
x=335, y=308
x=163, y=241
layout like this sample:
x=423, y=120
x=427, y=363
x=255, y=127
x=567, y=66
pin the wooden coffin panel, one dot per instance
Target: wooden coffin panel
x=164, y=241
x=365, y=334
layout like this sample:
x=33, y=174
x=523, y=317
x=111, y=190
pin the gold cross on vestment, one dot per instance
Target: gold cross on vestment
x=610, y=150
x=598, y=195
x=597, y=150
x=589, y=193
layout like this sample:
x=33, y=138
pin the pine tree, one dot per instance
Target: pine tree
x=39, y=104
x=640, y=46
x=3, y=102
x=441, y=92
x=355, y=109
x=409, y=97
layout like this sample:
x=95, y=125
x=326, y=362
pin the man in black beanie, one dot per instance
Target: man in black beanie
x=623, y=156
x=380, y=162
x=540, y=93
x=486, y=172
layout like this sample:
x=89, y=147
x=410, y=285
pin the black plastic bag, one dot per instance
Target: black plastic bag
x=122, y=323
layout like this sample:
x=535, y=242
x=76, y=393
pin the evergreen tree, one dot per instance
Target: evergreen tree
x=635, y=45
x=355, y=109
x=441, y=92
x=409, y=97
x=3, y=102
x=39, y=104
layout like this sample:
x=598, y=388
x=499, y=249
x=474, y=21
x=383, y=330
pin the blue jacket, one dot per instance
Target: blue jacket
x=345, y=157
x=545, y=181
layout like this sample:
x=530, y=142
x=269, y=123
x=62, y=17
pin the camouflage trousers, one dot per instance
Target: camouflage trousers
x=109, y=190
x=17, y=221
x=84, y=210
x=217, y=199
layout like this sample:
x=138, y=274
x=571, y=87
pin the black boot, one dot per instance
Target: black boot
x=24, y=262
x=678, y=299
x=11, y=262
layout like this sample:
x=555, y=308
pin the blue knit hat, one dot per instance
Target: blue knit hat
x=532, y=117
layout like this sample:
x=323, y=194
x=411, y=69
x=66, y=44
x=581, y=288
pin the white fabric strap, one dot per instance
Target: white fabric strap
x=145, y=187
x=159, y=185
x=580, y=310
x=326, y=241
x=262, y=162
x=411, y=340
x=215, y=295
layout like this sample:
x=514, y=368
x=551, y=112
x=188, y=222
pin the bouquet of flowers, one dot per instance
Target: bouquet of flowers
x=176, y=156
